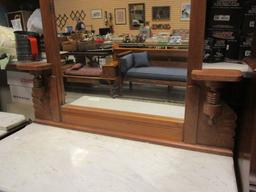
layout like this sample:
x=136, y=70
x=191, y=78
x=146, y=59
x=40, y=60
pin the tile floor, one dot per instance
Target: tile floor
x=43, y=158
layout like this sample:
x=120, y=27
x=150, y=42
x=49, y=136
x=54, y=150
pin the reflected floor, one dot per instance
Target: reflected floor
x=154, y=93
x=151, y=100
x=142, y=107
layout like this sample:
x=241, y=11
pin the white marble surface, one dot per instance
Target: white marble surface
x=10, y=120
x=41, y=158
x=2, y=132
x=244, y=68
x=143, y=107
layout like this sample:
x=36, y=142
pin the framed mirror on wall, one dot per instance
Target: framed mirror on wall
x=89, y=112
x=136, y=15
x=95, y=78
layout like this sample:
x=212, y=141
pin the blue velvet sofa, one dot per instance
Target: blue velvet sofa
x=136, y=67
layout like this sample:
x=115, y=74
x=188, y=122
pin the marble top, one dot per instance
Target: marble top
x=10, y=120
x=42, y=158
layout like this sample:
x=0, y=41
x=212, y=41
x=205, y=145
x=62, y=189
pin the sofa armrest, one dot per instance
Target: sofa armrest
x=126, y=62
x=119, y=55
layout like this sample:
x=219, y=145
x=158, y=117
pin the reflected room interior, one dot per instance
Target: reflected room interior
x=131, y=57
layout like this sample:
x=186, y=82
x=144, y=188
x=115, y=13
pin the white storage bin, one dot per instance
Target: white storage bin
x=21, y=85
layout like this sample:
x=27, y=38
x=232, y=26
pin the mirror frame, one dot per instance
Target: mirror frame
x=79, y=118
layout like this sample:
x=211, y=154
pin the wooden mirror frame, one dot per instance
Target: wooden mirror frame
x=194, y=133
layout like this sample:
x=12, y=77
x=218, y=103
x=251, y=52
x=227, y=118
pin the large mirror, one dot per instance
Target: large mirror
x=107, y=64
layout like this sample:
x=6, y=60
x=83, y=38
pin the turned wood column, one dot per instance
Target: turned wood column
x=42, y=87
x=217, y=121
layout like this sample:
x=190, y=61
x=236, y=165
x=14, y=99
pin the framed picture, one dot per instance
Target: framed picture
x=161, y=13
x=136, y=15
x=185, y=11
x=120, y=16
x=96, y=14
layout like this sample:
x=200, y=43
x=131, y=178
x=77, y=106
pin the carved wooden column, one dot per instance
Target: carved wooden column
x=217, y=121
x=41, y=92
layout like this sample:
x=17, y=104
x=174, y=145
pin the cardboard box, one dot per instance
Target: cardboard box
x=21, y=85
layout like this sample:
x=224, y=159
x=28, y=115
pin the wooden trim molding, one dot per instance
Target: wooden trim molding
x=182, y=145
x=217, y=75
x=195, y=60
x=169, y=129
x=29, y=66
x=52, y=52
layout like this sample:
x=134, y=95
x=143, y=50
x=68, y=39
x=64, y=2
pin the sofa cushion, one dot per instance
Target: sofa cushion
x=126, y=62
x=141, y=59
x=159, y=73
x=85, y=71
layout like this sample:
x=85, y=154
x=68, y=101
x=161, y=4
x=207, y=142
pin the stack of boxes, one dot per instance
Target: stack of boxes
x=229, y=28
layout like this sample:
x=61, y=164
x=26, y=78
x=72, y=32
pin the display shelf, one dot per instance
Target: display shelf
x=29, y=66
x=217, y=75
x=159, y=45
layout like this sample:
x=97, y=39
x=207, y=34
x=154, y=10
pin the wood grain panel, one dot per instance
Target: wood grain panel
x=131, y=123
x=217, y=75
x=182, y=145
x=192, y=114
x=195, y=60
x=52, y=49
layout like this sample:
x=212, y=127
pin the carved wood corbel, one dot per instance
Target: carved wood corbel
x=40, y=91
x=216, y=121
x=214, y=80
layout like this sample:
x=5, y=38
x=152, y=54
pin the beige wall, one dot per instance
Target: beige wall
x=64, y=6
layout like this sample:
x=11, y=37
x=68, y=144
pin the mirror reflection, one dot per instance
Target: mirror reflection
x=125, y=56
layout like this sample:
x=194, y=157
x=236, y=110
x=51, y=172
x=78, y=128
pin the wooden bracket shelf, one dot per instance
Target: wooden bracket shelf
x=32, y=66
x=217, y=75
x=214, y=79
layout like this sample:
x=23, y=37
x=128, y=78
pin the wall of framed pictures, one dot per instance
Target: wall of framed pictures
x=159, y=13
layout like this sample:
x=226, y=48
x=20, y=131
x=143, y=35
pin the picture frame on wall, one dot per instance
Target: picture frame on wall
x=96, y=14
x=185, y=11
x=136, y=15
x=120, y=16
x=161, y=13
